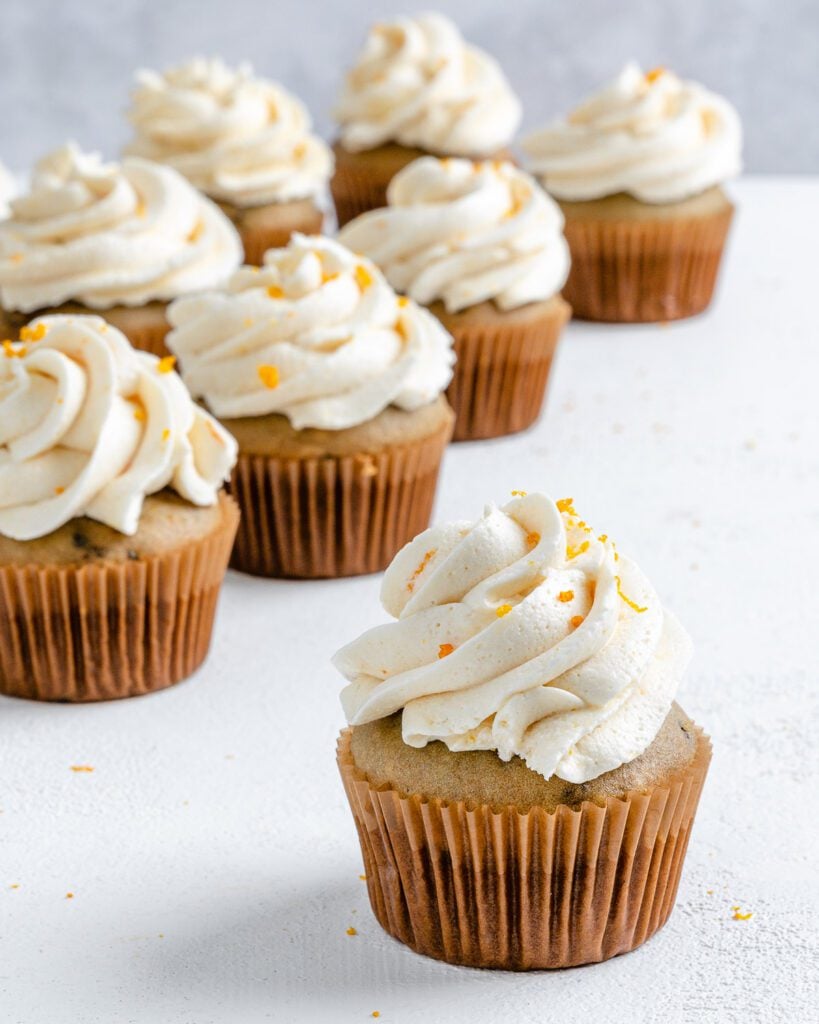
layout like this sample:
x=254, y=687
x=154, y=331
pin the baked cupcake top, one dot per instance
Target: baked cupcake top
x=418, y=83
x=523, y=633
x=315, y=334
x=110, y=235
x=89, y=427
x=238, y=138
x=652, y=135
x=465, y=232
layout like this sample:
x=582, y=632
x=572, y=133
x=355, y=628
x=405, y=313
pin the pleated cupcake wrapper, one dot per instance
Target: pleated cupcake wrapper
x=257, y=240
x=523, y=890
x=102, y=631
x=333, y=516
x=501, y=374
x=644, y=271
x=356, y=191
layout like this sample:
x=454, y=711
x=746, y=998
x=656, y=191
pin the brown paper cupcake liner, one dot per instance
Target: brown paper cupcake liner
x=517, y=890
x=355, y=192
x=334, y=515
x=501, y=374
x=257, y=240
x=103, y=631
x=644, y=271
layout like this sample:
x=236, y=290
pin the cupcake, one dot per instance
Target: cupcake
x=8, y=189
x=481, y=245
x=638, y=170
x=522, y=781
x=114, y=534
x=118, y=239
x=333, y=387
x=417, y=88
x=244, y=141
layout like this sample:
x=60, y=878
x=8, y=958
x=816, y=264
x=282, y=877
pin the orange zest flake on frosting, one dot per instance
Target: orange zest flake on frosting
x=574, y=552
x=268, y=375
x=82, y=768
x=327, y=276
x=166, y=433
x=351, y=931
x=274, y=291
x=376, y=1013
x=17, y=257
x=533, y=539
x=739, y=916
x=362, y=878
x=420, y=568
x=403, y=302
x=576, y=620
x=444, y=650
x=29, y=333
x=603, y=538
x=566, y=505
x=166, y=364
x=565, y=596
x=139, y=210
x=502, y=610
x=363, y=278
x=400, y=328
x=519, y=494
x=654, y=74
x=139, y=411
x=59, y=490
x=12, y=350
x=195, y=235
x=299, y=150
x=632, y=604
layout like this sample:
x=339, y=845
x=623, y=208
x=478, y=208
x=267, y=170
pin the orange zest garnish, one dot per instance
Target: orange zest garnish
x=69, y=895
x=574, y=552
x=59, y=490
x=575, y=621
x=502, y=610
x=268, y=375
x=533, y=539
x=565, y=596
x=82, y=768
x=603, y=538
x=363, y=278
x=351, y=931
x=739, y=916
x=444, y=650
x=632, y=604
x=37, y=333
x=166, y=364
x=12, y=352
x=166, y=434
x=139, y=413
x=274, y=291
x=403, y=302
x=566, y=505
x=654, y=74
x=518, y=494
x=420, y=568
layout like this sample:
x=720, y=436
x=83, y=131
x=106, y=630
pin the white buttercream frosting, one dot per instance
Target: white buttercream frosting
x=90, y=427
x=315, y=334
x=522, y=633
x=8, y=189
x=654, y=136
x=238, y=138
x=418, y=83
x=464, y=233
x=108, y=234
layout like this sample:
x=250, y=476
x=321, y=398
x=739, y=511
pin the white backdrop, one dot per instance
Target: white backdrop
x=66, y=65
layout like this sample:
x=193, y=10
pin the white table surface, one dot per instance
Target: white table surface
x=211, y=855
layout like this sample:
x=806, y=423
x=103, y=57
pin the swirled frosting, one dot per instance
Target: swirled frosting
x=315, y=334
x=652, y=135
x=8, y=188
x=419, y=84
x=108, y=234
x=236, y=137
x=464, y=233
x=522, y=633
x=89, y=427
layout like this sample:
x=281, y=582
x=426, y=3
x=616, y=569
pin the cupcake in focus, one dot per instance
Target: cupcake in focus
x=333, y=387
x=481, y=245
x=417, y=88
x=522, y=781
x=114, y=531
x=242, y=140
x=118, y=239
x=638, y=170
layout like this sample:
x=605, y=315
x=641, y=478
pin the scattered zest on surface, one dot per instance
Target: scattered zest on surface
x=632, y=604
x=69, y=895
x=654, y=74
x=574, y=552
x=363, y=278
x=82, y=768
x=444, y=650
x=533, y=539
x=166, y=434
x=420, y=568
x=12, y=351
x=269, y=375
x=351, y=931
x=274, y=291
x=518, y=494
x=33, y=333
x=739, y=916
x=566, y=505
x=166, y=364
x=502, y=610
x=576, y=620
x=565, y=596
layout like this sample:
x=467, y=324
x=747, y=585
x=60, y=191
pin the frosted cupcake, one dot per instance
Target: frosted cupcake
x=8, y=189
x=522, y=781
x=333, y=386
x=114, y=533
x=481, y=245
x=244, y=141
x=638, y=170
x=121, y=240
x=416, y=88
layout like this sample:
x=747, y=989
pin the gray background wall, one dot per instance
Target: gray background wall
x=66, y=65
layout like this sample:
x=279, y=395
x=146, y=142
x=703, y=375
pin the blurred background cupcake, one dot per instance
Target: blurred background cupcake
x=481, y=245
x=8, y=189
x=333, y=386
x=637, y=170
x=242, y=140
x=114, y=531
x=416, y=88
x=118, y=239
x=522, y=781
